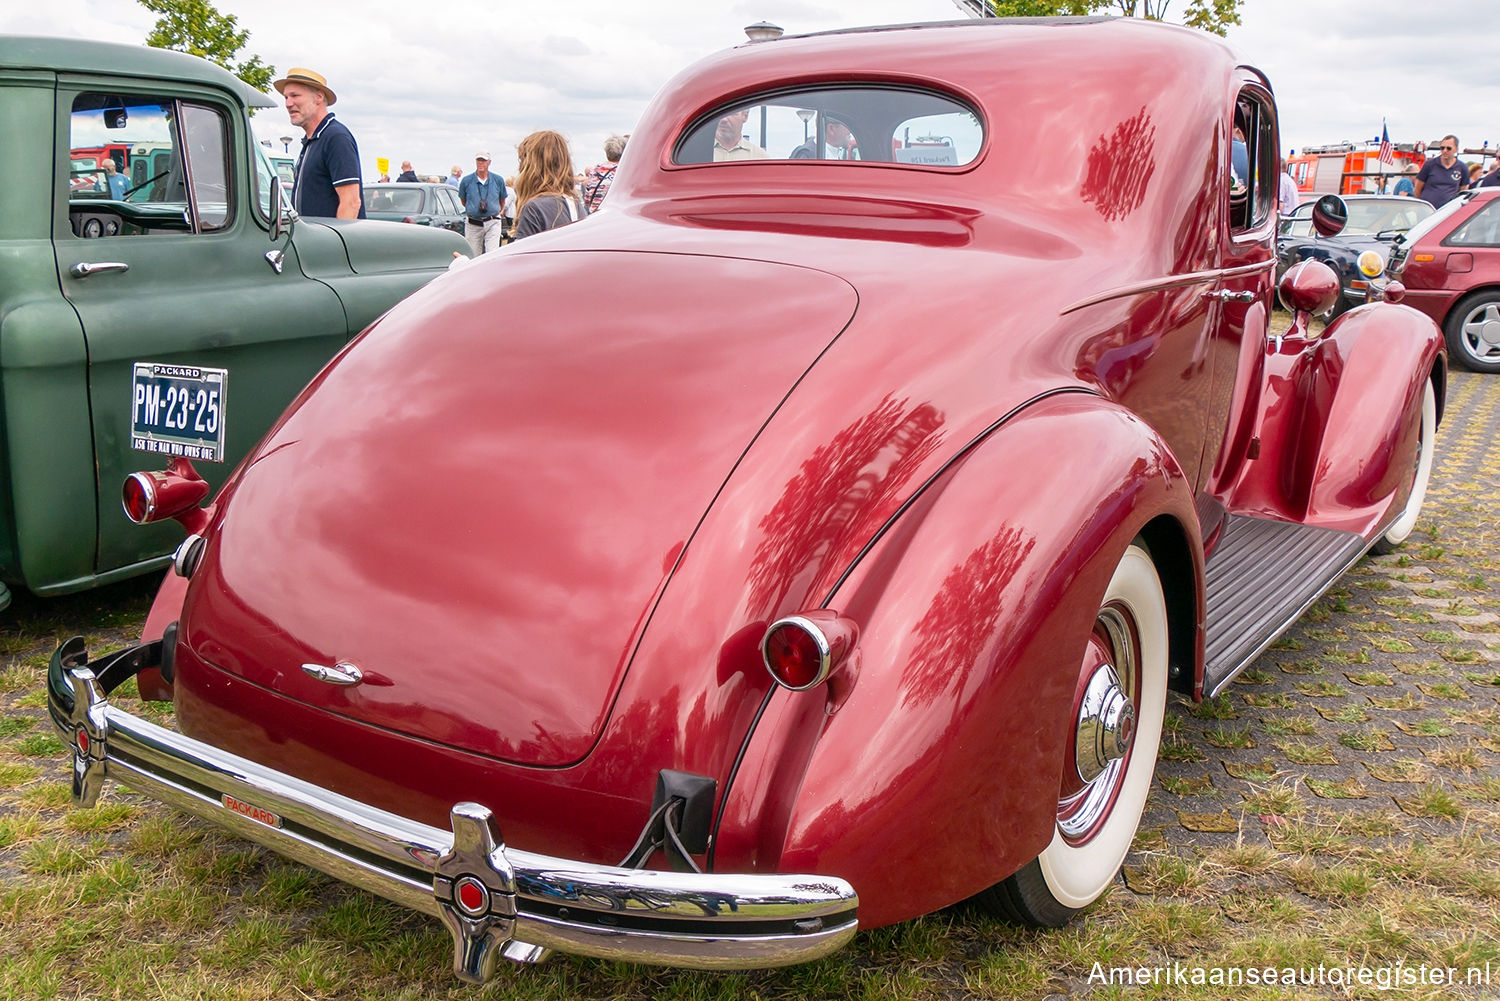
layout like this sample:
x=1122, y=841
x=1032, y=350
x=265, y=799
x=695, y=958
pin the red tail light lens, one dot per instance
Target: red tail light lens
x=157, y=494
x=801, y=651
x=139, y=498
x=796, y=654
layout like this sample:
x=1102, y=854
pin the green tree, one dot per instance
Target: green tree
x=1208, y=15
x=196, y=26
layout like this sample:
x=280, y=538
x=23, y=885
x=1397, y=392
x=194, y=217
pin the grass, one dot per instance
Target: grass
x=1373, y=739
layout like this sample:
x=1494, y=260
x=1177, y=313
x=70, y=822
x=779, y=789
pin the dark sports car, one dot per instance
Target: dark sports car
x=1374, y=221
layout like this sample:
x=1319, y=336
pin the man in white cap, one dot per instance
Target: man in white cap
x=483, y=195
x=328, y=182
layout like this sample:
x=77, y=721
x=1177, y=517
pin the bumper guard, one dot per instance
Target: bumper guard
x=495, y=901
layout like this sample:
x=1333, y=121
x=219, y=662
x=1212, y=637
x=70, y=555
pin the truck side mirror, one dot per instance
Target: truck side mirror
x=277, y=210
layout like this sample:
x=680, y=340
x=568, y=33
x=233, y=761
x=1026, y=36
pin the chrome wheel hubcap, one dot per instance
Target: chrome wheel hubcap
x=1106, y=723
x=1103, y=728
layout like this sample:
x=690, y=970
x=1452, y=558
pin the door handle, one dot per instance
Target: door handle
x=1224, y=295
x=83, y=269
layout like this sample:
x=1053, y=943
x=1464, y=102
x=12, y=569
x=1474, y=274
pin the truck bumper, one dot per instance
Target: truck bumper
x=495, y=901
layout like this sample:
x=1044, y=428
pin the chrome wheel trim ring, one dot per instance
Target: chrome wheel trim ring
x=1079, y=816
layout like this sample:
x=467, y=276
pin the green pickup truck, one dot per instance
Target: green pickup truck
x=154, y=305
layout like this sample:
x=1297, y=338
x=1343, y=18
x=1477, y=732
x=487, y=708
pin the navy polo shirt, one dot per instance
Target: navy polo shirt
x=329, y=159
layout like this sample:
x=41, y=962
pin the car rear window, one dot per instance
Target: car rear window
x=393, y=199
x=845, y=124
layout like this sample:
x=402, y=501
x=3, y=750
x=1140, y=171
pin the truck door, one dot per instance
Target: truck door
x=176, y=273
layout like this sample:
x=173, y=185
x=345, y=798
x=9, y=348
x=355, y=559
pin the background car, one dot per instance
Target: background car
x=423, y=204
x=833, y=567
x=1374, y=221
x=1450, y=265
x=285, y=167
x=186, y=268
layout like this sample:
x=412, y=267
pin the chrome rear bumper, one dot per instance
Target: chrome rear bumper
x=496, y=901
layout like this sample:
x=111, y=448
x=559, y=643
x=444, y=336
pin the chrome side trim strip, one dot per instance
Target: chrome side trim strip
x=1170, y=282
x=496, y=901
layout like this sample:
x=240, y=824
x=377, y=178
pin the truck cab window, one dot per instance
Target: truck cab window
x=139, y=165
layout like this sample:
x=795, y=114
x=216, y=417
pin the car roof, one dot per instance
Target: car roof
x=75, y=55
x=952, y=23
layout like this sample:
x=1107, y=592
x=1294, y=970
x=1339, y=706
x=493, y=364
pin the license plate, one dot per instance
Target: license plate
x=178, y=410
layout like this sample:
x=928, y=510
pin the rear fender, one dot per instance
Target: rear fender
x=1340, y=421
x=928, y=768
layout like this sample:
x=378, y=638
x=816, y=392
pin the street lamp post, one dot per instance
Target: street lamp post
x=806, y=115
x=286, y=144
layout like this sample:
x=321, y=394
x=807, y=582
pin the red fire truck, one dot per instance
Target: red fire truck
x=1347, y=169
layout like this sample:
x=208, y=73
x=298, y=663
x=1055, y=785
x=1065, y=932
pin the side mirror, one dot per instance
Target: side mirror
x=281, y=216
x=1329, y=215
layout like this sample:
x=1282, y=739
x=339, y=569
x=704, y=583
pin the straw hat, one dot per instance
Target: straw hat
x=298, y=74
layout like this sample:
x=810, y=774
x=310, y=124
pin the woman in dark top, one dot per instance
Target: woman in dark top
x=544, y=185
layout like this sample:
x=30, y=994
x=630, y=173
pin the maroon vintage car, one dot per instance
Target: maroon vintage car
x=1450, y=266
x=812, y=538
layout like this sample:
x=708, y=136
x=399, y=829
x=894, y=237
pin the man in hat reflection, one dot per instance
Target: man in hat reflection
x=328, y=178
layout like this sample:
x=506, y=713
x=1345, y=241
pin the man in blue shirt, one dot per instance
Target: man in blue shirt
x=329, y=182
x=483, y=194
x=1442, y=177
x=115, y=182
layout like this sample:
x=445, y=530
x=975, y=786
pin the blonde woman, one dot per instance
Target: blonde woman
x=545, y=197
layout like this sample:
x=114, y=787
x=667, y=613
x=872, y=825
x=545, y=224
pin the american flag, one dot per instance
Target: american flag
x=1387, y=152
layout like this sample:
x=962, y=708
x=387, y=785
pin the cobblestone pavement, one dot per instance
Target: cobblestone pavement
x=1384, y=695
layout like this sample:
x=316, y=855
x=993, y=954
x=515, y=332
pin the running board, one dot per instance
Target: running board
x=1260, y=579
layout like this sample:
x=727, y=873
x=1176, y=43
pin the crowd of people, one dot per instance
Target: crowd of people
x=544, y=193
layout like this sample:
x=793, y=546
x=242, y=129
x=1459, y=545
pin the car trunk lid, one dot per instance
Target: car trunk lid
x=478, y=505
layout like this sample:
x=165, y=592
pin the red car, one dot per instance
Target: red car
x=814, y=540
x=1450, y=265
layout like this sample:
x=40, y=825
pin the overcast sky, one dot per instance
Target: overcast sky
x=435, y=83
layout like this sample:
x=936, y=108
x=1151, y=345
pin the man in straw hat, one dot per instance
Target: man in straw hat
x=328, y=178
